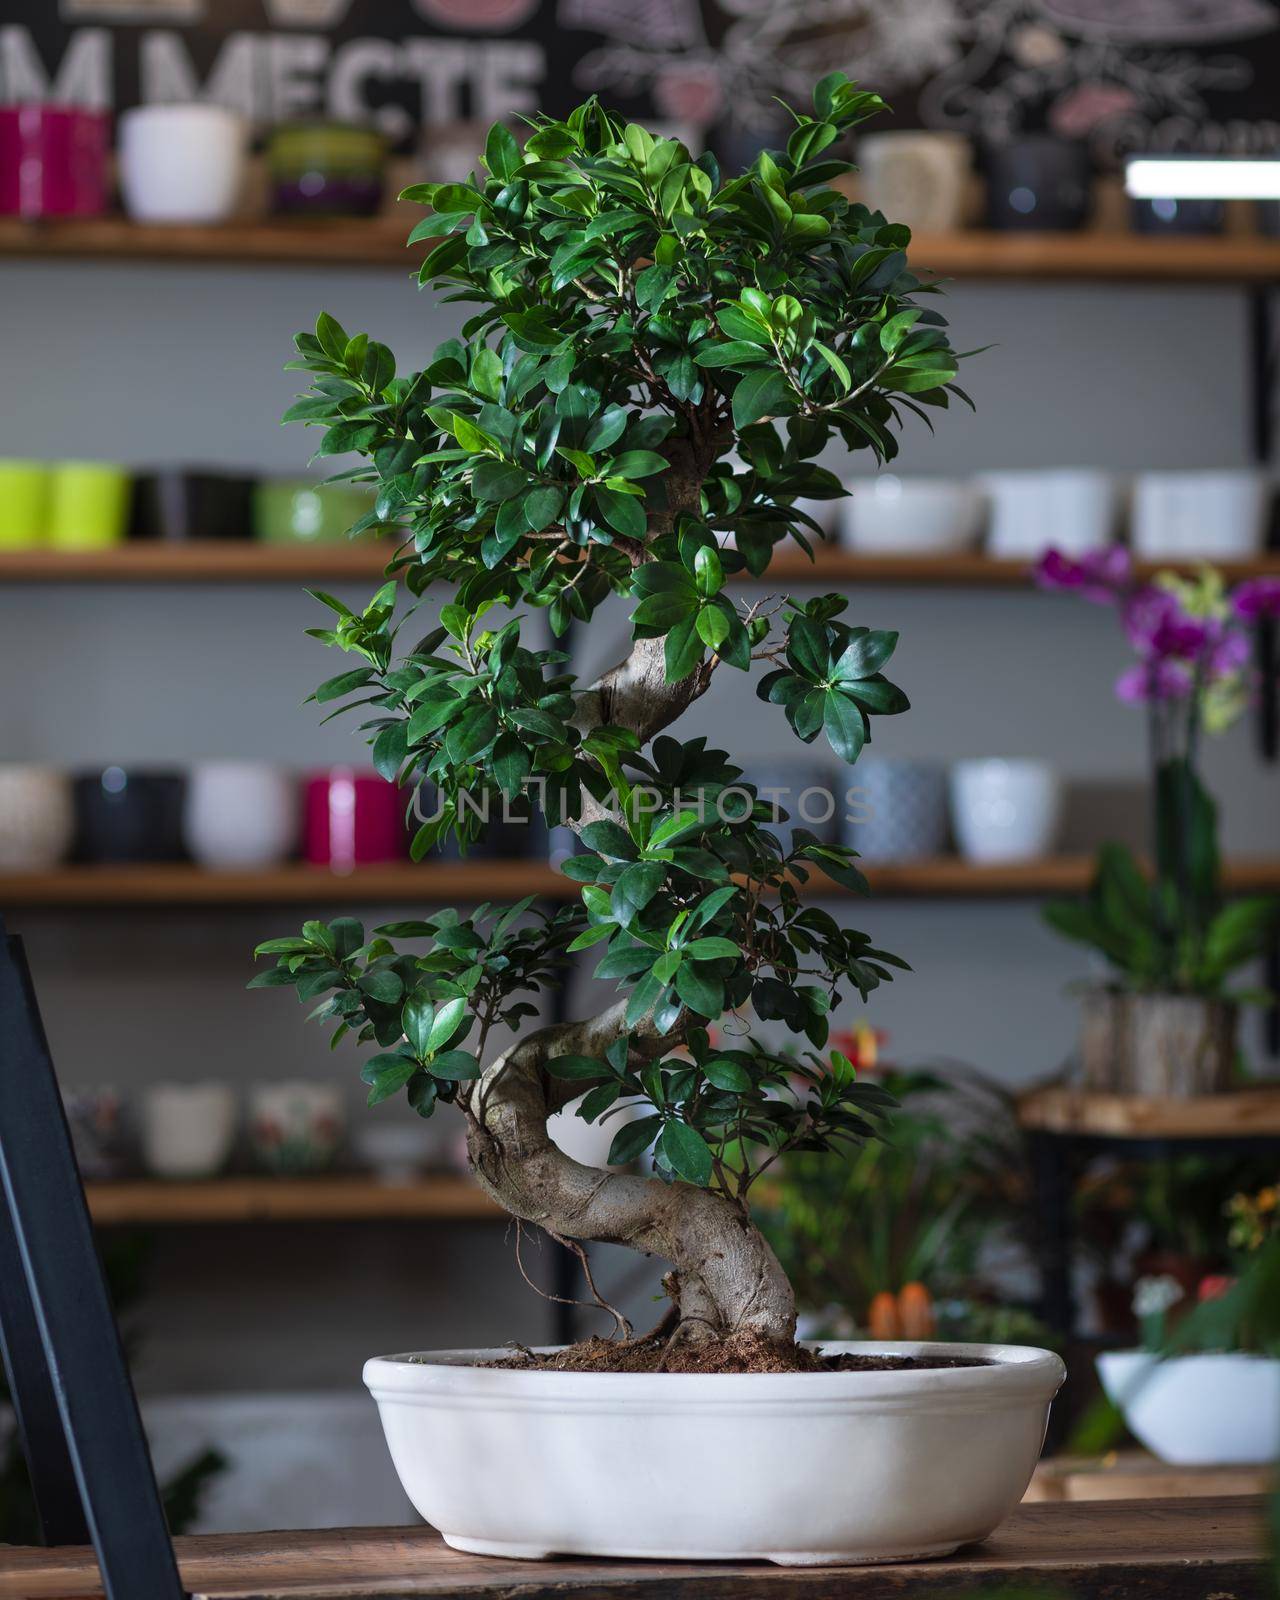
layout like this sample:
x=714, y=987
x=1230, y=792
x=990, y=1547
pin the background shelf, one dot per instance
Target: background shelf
x=243, y=561
x=1251, y=1113
x=463, y=882
x=444, y=1197
x=381, y=243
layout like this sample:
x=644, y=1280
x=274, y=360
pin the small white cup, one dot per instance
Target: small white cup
x=916, y=177
x=181, y=163
x=1005, y=810
x=36, y=818
x=240, y=814
x=187, y=1128
x=1068, y=509
x=888, y=515
x=1191, y=516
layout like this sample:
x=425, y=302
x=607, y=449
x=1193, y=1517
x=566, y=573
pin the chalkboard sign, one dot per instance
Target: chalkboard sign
x=1123, y=74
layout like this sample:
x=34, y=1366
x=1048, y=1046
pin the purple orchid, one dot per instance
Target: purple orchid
x=1256, y=598
x=1099, y=576
x=1157, y=625
x=1153, y=682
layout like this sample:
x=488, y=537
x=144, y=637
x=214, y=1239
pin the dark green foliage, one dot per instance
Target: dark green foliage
x=656, y=356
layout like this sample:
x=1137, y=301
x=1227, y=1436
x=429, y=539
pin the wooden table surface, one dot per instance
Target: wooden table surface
x=1137, y=1550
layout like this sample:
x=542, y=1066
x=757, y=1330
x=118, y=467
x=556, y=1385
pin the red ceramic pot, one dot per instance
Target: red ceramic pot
x=53, y=161
x=353, y=819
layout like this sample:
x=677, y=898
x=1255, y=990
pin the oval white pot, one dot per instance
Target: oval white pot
x=880, y=1466
x=1199, y=1410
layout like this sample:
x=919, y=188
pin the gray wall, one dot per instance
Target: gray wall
x=160, y=365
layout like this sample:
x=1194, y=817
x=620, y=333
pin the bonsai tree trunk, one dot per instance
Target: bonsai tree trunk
x=726, y=1277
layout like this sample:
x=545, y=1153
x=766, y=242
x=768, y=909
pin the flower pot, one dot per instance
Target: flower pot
x=917, y=177
x=326, y=169
x=55, y=161
x=182, y=504
x=1183, y=516
x=887, y=515
x=95, y=1118
x=1197, y=1410
x=1157, y=1044
x=1005, y=810
x=88, y=505
x=36, y=818
x=181, y=163
x=128, y=816
x=240, y=814
x=1072, y=510
x=295, y=1126
x=187, y=1129
x=299, y=511
x=353, y=819
x=899, y=811
x=24, y=504
x=880, y=1466
x=1038, y=183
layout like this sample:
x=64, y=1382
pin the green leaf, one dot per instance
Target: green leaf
x=501, y=152
x=511, y=763
x=446, y=1023
x=632, y=1140
x=683, y=650
x=674, y=828
x=700, y=991
x=416, y=1019
x=497, y=480
x=845, y=725
x=728, y=1075
x=607, y=838
x=708, y=572
x=454, y=1066
x=586, y=1068
x=623, y=512
x=712, y=948
x=390, y=749
x=687, y=1153
x=637, y=464
x=383, y=985
x=344, y=683
x=865, y=655
x=386, y=1074
x=760, y=394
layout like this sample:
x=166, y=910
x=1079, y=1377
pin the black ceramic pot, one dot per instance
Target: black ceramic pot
x=1038, y=183
x=127, y=815
x=191, y=505
x=1177, y=216
x=514, y=838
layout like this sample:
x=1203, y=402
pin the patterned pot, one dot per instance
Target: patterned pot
x=898, y=810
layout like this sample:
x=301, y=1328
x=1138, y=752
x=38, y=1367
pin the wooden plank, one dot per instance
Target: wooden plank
x=1134, y=1475
x=380, y=243
x=1248, y=1113
x=442, y=1197
x=247, y=561
x=1187, y=1550
x=160, y=885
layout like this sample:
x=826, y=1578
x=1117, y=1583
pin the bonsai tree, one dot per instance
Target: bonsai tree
x=654, y=357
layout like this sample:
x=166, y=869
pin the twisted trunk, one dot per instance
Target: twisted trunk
x=726, y=1277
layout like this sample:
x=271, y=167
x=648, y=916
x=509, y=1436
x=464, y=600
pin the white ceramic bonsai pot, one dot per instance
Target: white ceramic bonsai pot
x=1200, y=1410
x=879, y=1466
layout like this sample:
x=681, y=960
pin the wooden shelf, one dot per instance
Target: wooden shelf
x=444, y=1197
x=161, y=885
x=380, y=242
x=1134, y=1475
x=244, y=561
x=1188, y=1550
x=1242, y=1113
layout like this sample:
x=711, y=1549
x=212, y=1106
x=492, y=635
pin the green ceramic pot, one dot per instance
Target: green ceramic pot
x=297, y=511
x=24, y=504
x=88, y=505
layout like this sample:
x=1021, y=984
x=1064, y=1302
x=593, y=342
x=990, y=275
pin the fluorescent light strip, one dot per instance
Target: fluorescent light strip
x=1158, y=178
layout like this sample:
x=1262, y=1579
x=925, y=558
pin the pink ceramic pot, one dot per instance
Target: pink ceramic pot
x=353, y=819
x=53, y=161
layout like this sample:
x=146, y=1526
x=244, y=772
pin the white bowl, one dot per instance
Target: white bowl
x=888, y=515
x=1198, y=1410
x=37, y=819
x=240, y=814
x=1005, y=810
x=181, y=163
x=1067, y=509
x=879, y=1466
x=1188, y=516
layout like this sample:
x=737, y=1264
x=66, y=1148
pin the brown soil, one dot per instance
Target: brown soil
x=745, y=1352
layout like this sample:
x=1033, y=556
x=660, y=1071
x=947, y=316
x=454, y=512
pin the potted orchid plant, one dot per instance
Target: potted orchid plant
x=1165, y=1020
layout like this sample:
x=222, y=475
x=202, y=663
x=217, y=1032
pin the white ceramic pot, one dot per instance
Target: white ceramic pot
x=1072, y=510
x=295, y=1126
x=588, y=1142
x=888, y=515
x=1185, y=516
x=181, y=163
x=187, y=1128
x=879, y=1466
x=240, y=814
x=1005, y=810
x=37, y=820
x=916, y=177
x=1197, y=1410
